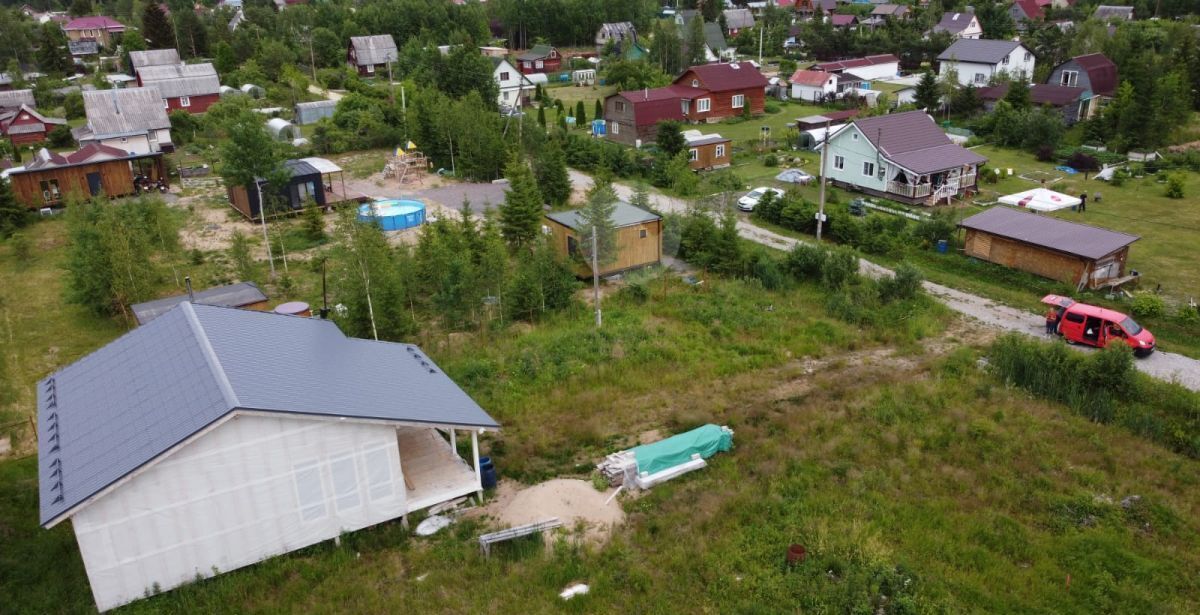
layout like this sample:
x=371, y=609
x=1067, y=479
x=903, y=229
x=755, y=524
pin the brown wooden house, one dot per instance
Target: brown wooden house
x=731, y=87
x=25, y=125
x=705, y=152
x=1079, y=254
x=371, y=54
x=94, y=170
x=639, y=239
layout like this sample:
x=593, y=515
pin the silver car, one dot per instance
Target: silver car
x=750, y=201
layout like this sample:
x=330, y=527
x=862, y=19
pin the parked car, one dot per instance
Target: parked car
x=1080, y=323
x=748, y=202
x=795, y=176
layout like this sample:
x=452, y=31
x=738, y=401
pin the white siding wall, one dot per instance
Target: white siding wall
x=137, y=145
x=886, y=70
x=967, y=72
x=233, y=497
x=854, y=152
x=811, y=93
x=1017, y=65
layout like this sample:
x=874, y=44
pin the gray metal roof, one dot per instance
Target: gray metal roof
x=16, y=98
x=913, y=141
x=153, y=57
x=374, y=49
x=980, y=50
x=124, y=112
x=739, y=18
x=230, y=295
x=175, y=80
x=714, y=37
x=623, y=215
x=953, y=22
x=123, y=406
x=1047, y=232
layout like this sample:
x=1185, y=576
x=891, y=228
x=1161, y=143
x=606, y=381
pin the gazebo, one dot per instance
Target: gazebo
x=1041, y=199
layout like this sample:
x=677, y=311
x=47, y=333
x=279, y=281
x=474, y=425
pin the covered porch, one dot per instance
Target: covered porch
x=432, y=470
x=910, y=187
x=333, y=182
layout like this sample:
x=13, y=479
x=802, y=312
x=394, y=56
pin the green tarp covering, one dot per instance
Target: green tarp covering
x=707, y=441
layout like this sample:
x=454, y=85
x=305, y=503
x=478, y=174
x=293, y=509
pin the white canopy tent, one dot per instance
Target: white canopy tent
x=1041, y=199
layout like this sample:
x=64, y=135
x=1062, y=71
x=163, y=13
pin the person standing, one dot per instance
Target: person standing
x=1051, y=321
x=1083, y=202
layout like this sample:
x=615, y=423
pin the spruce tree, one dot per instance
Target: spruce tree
x=927, y=96
x=598, y=110
x=157, y=28
x=597, y=215
x=580, y=115
x=541, y=117
x=550, y=168
x=521, y=212
x=12, y=214
x=52, y=50
x=1018, y=95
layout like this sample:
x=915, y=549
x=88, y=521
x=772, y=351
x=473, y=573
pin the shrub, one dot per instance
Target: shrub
x=1091, y=384
x=1118, y=178
x=1188, y=315
x=1045, y=153
x=1147, y=305
x=840, y=267
x=902, y=285
x=771, y=160
x=805, y=261
x=772, y=107
x=60, y=136
x=765, y=268
x=1174, y=187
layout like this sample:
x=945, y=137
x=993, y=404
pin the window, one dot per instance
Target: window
x=854, y=135
x=695, y=83
x=869, y=169
x=370, y=69
x=693, y=154
x=619, y=106
x=310, y=492
x=1005, y=60
x=616, y=128
x=50, y=191
x=720, y=151
x=839, y=162
x=882, y=173
x=1028, y=56
x=166, y=105
x=538, y=64
x=572, y=246
x=345, y=483
x=504, y=76
x=504, y=95
x=739, y=101
x=1074, y=317
x=184, y=101
x=980, y=78
x=1069, y=78
x=379, y=474
x=642, y=233
x=703, y=105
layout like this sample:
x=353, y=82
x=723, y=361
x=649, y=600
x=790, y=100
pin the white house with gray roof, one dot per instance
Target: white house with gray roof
x=959, y=24
x=979, y=61
x=903, y=156
x=212, y=438
x=133, y=120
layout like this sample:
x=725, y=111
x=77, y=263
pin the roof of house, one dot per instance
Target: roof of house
x=141, y=396
x=913, y=140
x=1039, y=93
x=44, y=159
x=8, y=115
x=727, y=76
x=124, y=112
x=714, y=37
x=687, y=15
x=374, y=49
x=842, y=20
x=739, y=18
x=83, y=48
x=16, y=98
x=618, y=29
x=696, y=138
x=1101, y=71
x=1029, y=8
x=840, y=65
x=651, y=106
x=954, y=22
x=153, y=57
x=1105, y=11
x=99, y=22
x=175, y=80
x=538, y=52
x=623, y=214
x=1048, y=232
x=229, y=295
x=890, y=10
x=979, y=50
x=812, y=78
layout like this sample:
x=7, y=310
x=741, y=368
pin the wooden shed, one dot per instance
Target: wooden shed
x=311, y=178
x=639, y=238
x=1079, y=254
x=711, y=151
x=94, y=170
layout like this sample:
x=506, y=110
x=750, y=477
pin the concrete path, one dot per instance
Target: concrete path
x=329, y=94
x=1164, y=365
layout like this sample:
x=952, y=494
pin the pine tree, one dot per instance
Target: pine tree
x=541, y=117
x=13, y=215
x=927, y=96
x=521, y=212
x=598, y=110
x=694, y=43
x=542, y=283
x=52, y=50
x=580, y=116
x=550, y=169
x=157, y=28
x=314, y=221
x=670, y=137
x=596, y=215
x=1018, y=95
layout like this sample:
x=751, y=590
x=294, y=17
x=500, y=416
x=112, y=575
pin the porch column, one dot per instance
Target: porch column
x=475, y=455
x=453, y=442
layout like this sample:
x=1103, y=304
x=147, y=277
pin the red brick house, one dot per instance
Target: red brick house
x=191, y=87
x=25, y=125
x=730, y=86
x=540, y=59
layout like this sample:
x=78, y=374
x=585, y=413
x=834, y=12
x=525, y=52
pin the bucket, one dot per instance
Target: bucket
x=943, y=246
x=487, y=473
x=796, y=554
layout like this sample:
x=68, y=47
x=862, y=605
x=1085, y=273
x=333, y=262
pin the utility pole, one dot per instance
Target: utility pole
x=312, y=58
x=821, y=206
x=391, y=88
x=595, y=278
x=761, y=29
x=262, y=215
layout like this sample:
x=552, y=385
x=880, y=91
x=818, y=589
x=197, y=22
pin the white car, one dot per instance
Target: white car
x=748, y=202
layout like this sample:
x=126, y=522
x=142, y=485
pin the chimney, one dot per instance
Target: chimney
x=187, y=281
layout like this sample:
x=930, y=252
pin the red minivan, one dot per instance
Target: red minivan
x=1080, y=323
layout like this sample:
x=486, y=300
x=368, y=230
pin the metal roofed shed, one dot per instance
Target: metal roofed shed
x=1078, y=254
x=246, y=295
x=153, y=57
x=280, y=432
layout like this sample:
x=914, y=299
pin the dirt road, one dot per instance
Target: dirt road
x=1164, y=365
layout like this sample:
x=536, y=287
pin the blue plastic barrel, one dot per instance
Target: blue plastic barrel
x=943, y=246
x=487, y=473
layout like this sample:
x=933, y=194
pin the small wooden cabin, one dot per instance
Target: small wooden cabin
x=1079, y=254
x=639, y=238
x=711, y=151
x=311, y=178
x=94, y=170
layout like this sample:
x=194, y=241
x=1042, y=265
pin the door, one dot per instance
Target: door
x=94, y=185
x=1113, y=333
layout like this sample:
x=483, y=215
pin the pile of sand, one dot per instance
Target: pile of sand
x=572, y=501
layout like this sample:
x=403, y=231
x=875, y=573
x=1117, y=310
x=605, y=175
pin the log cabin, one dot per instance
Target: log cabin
x=92, y=171
x=188, y=87
x=707, y=151
x=25, y=125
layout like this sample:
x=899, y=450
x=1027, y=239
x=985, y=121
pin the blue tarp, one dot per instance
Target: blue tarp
x=706, y=441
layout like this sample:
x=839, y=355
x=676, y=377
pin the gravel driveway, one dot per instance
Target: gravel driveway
x=1164, y=365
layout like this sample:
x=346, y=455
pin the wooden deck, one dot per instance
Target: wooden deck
x=433, y=472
